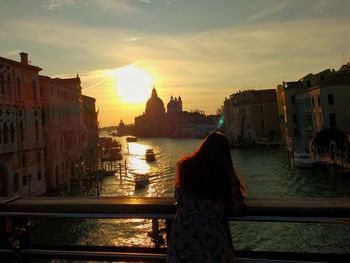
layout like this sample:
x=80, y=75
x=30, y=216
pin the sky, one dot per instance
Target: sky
x=201, y=50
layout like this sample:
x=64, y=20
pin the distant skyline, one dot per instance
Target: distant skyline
x=201, y=50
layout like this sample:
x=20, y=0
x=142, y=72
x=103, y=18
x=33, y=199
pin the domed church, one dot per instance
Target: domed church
x=155, y=122
x=154, y=105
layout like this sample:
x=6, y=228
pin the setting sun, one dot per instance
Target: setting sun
x=133, y=84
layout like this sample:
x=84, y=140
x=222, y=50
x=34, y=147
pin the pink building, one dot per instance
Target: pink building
x=21, y=137
x=64, y=131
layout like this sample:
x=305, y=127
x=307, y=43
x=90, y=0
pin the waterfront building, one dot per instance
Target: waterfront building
x=90, y=123
x=174, y=122
x=252, y=116
x=21, y=131
x=313, y=103
x=63, y=129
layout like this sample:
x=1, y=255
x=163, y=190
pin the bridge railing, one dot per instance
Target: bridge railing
x=331, y=211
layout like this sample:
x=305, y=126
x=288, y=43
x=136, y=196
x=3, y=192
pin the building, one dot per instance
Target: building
x=90, y=123
x=172, y=122
x=21, y=131
x=64, y=130
x=313, y=103
x=252, y=116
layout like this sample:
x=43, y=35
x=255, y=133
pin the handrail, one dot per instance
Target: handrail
x=164, y=207
x=306, y=210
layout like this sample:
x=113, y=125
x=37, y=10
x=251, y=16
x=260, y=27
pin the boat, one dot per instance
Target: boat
x=131, y=139
x=141, y=181
x=303, y=160
x=150, y=156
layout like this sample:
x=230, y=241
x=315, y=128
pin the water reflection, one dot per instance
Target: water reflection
x=136, y=158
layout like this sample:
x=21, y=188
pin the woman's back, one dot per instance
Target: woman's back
x=199, y=233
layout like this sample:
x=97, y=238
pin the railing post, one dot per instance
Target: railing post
x=168, y=225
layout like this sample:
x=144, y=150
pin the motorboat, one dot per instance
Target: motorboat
x=141, y=181
x=150, y=156
x=131, y=139
x=303, y=160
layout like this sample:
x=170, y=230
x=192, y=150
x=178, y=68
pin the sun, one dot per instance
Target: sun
x=133, y=84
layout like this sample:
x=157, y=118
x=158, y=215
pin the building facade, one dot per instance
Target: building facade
x=314, y=103
x=252, y=116
x=21, y=131
x=90, y=123
x=64, y=131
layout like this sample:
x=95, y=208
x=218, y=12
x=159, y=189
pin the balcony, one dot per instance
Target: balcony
x=27, y=145
x=9, y=147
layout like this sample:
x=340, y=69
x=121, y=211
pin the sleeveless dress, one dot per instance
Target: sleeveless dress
x=199, y=233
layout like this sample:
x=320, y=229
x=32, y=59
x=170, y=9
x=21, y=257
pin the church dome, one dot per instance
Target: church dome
x=154, y=104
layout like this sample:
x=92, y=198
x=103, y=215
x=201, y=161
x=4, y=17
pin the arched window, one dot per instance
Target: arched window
x=18, y=88
x=21, y=131
x=6, y=133
x=12, y=133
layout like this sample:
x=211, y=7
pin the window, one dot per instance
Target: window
x=295, y=131
x=24, y=160
x=330, y=99
x=9, y=84
x=12, y=133
x=15, y=182
x=24, y=180
x=21, y=131
x=293, y=99
x=313, y=102
x=294, y=118
x=6, y=133
x=2, y=85
x=308, y=83
x=34, y=91
x=39, y=176
x=18, y=88
x=36, y=131
x=318, y=101
x=332, y=121
x=38, y=157
x=41, y=91
x=262, y=125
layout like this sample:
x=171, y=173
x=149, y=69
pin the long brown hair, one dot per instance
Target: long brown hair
x=208, y=172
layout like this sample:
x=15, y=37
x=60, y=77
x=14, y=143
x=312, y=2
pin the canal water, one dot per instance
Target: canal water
x=266, y=173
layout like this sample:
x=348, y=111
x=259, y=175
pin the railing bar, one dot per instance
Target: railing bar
x=88, y=215
x=329, y=220
x=295, y=219
x=52, y=252
x=124, y=255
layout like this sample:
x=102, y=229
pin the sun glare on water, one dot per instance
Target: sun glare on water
x=133, y=84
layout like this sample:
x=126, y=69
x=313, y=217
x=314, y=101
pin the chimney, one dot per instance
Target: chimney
x=24, y=58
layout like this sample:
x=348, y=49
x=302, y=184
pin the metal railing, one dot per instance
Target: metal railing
x=331, y=211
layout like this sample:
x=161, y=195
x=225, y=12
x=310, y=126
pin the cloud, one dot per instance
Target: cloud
x=119, y=6
x=222, y=60
x=268, y=11
x=58, y=4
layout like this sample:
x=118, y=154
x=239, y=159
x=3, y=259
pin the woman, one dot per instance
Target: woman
x=206, y=189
